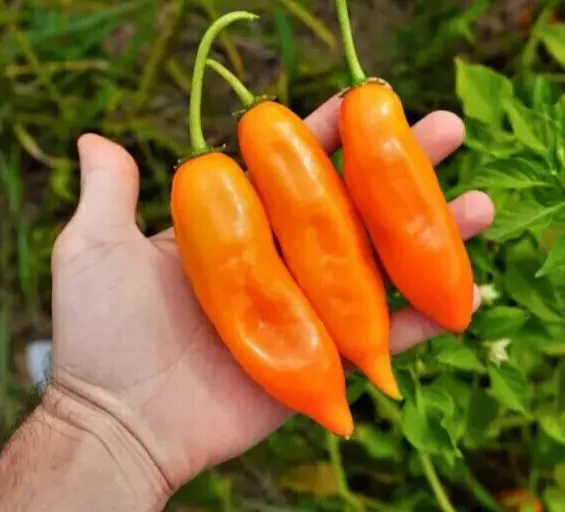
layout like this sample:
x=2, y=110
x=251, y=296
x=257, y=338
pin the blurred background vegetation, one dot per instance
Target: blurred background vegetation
x=122, y=69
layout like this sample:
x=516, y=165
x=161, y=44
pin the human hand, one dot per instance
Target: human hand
x=130, y=340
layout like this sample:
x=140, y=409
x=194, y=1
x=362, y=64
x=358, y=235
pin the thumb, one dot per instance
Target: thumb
x=109, y=183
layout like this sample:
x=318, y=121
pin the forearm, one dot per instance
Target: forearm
x=80, y=461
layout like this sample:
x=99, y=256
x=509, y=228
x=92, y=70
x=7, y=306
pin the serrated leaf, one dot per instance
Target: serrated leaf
x=490, y=140
x=553, y=37
x=555, y=261
x=454, y=353
x=510, y=224
x=499, y=322
x=376, y=443
x=425, y=432
x=476, y=87
x=509, y=386
x=513, y=173
x=531, y=128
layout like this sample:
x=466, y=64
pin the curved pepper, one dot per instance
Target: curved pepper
x=395, y=188
x=229, y=256
x=321, y=236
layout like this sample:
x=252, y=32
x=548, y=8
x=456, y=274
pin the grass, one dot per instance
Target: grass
x=123, y=70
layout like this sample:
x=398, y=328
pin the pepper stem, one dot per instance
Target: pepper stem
x=246, y=97
x=197, y=141
x=358, y=75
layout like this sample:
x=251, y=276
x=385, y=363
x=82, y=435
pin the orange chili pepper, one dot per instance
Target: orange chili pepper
x=394, y=186
x=229, y=256
x=322, y=239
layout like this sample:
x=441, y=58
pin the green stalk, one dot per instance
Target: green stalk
x=246, y=97
x=197, y=141
x=358, y=75
x=430, y=473
x=353, y=501
x=435, y=484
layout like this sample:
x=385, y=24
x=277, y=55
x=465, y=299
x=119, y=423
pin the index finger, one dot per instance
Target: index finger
x=439, y=133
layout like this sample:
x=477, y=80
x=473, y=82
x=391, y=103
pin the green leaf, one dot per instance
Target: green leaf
x=476, y=87
x=536, y=295
x=532, y=128
x=554, y=499
x=458, y=388
x=546, y=452
x=559, y=475
x=555, y=261
x=509, y=386
x=524, y=358
x=437, y=398
x=542, y=93
x=376, y=443
x=510, y=224
x=559, y=377
x=553, y=37
x=425, y=432
x=513, y=173
x=499, y=322
x=209, y=489
x=337, y=159
x=554, y=427
x=481, y=413
x=288, y=50
x=406, y=385
x=542, y=341
x=447, y=396
x=356, y=387
x=491, y=141
x=454, y=353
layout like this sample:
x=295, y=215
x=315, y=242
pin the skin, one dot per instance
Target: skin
x=147, y=394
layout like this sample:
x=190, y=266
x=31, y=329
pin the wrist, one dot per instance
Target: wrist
x=69, y=455
x=127, y=463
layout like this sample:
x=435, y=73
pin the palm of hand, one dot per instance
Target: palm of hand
x=131, y=339
x=147, y=355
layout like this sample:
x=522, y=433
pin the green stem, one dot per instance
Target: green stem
x=528, y=54
x=357, y=73
x=243, y=93
x=435, y=484
x=197, y=140
x=393, y=413
x=343, y=488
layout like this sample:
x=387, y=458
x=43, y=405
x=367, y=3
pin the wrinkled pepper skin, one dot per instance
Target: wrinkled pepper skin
x=248, y=294
x=321, y=236
x=394, y=186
